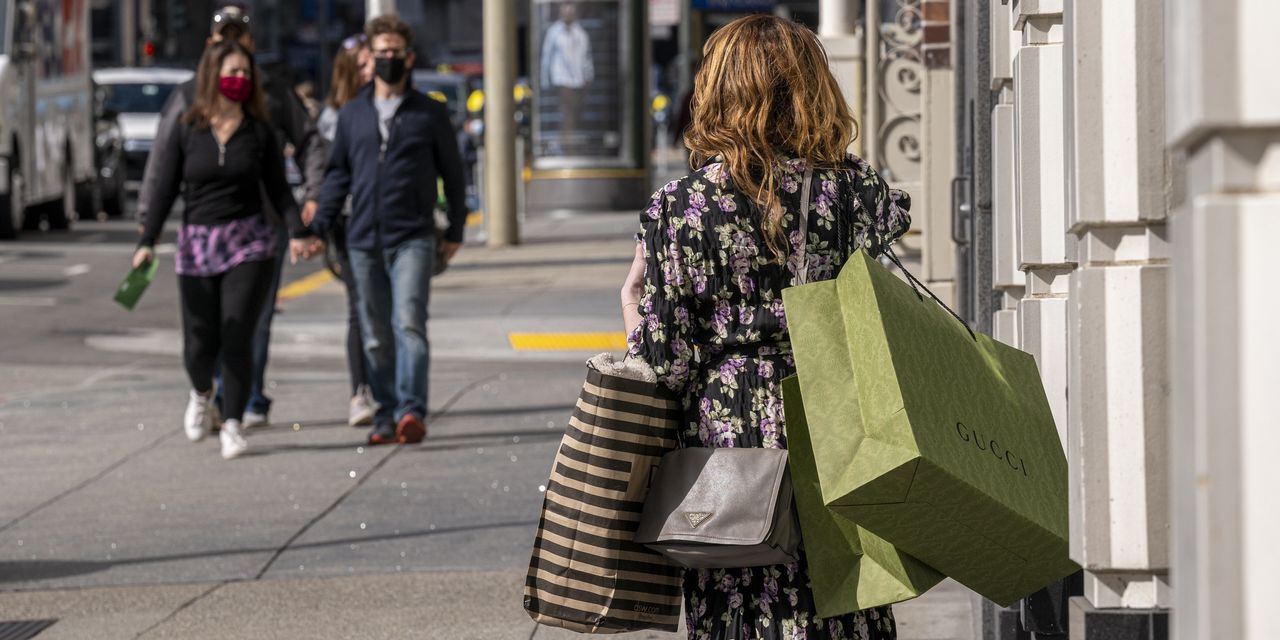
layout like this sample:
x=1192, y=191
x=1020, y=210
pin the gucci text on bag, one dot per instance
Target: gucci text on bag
x=972, y=435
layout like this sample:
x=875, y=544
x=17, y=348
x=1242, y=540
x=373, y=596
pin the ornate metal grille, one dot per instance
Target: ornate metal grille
x=898, y=80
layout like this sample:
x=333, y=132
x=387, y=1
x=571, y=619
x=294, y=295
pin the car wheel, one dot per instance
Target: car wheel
x=113, y=203
x=89, y=201
x=11, y=209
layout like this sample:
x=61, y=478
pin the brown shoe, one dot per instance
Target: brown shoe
x=410, y=430
x=382, y=434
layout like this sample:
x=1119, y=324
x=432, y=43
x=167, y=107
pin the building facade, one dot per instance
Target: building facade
x=1099, y=189
x=1222, y=127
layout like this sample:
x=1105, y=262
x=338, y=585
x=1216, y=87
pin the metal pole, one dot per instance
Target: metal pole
x=684, y=36
x=128, y=16
x=871, y=121
x=837, y=18
x=500, y=123
x=520, y=183
x=146, y=21
x=838, y=28
x=326, y=51
x=375, y=8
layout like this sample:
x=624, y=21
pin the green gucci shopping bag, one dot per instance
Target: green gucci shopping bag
x=935, y=438
x=850, y=568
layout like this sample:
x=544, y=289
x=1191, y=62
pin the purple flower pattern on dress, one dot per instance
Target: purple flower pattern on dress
x=714, y=328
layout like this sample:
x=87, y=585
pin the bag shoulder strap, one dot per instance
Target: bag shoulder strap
x=801, y=275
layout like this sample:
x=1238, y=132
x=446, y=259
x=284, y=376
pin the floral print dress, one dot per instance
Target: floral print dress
x=713, y=328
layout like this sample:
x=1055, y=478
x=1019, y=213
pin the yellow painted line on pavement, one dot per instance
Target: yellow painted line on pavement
x=303, y=286
x=567, y=341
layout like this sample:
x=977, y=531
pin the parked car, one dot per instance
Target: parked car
x=46, y=115
x=136, y=95
x=109, y=159
x=450, y=88
x=453, y=89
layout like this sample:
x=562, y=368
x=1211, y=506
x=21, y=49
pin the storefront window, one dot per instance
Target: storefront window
x=581, y=104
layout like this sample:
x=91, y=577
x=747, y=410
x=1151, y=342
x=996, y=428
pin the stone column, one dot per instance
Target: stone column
x=1117, y=416
x=1046, y=256
x=1223, y=124
x=1008, y=280
x=838, y=29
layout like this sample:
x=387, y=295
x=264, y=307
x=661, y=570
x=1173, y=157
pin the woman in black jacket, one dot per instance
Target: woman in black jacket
x=225, y=153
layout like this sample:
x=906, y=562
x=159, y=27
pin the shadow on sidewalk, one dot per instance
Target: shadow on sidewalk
x=25, y=570
x=558, y=408
x=35, y=570
x=433, y=443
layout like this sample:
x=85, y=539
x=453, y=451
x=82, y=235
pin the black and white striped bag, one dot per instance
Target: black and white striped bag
x=586, y=573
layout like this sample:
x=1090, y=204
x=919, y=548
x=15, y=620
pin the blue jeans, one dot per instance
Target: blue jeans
x=394, y=286
x=258, y=400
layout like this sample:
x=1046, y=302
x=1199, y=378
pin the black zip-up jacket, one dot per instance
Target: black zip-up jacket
x=222, y=183
x=392, y=187
x=288, y=117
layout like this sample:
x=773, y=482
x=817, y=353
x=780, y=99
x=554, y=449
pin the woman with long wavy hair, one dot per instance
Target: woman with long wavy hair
x=703, y=301
x=226, y=154
x=352, y=70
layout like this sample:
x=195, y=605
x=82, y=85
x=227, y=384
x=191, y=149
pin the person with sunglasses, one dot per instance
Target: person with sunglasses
x=291, y=123
x=390, y=146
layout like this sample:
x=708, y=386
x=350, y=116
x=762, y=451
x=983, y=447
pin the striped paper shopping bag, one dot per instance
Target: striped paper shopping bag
x=586, y=573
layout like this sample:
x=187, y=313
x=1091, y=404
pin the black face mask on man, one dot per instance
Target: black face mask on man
x=391, y=70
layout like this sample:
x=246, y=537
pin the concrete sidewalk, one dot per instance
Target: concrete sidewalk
x=115, y=526
x=439, y=604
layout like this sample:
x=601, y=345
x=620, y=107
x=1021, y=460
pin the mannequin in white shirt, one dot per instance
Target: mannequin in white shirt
x=567, y=67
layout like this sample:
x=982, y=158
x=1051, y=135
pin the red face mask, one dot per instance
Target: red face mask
x=235, y=88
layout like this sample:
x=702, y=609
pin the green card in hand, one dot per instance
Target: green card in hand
x=136, y=283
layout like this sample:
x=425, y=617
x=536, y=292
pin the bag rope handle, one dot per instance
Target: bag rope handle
x=916, y=285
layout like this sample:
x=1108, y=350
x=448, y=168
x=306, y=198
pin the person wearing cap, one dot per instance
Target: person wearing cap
x=390, y=145
x=293, y=124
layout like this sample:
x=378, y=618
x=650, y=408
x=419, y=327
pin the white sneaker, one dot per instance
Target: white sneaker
x=362, y=408
x=254, y=419
x=233, y=442
x=199, y=416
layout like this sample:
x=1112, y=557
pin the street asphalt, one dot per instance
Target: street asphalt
x=112, y=525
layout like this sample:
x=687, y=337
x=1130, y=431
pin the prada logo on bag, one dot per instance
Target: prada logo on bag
x=696, y=518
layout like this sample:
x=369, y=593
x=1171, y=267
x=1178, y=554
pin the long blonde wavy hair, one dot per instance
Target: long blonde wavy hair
x=765, y=93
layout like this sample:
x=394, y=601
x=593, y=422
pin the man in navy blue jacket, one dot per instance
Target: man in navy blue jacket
x=391, y=145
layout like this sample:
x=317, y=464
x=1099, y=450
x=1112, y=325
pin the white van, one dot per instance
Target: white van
x=46, y=114
x=136, y=96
